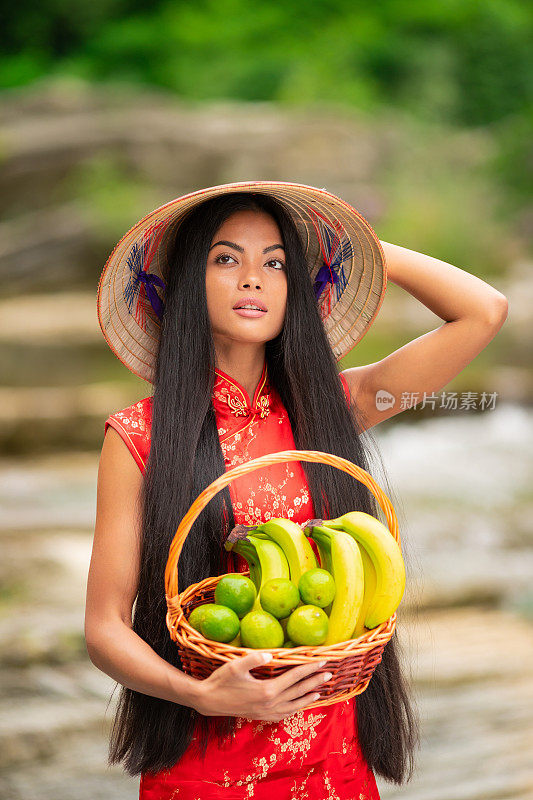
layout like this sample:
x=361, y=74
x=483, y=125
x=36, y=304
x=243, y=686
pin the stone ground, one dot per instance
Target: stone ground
x=472, y=671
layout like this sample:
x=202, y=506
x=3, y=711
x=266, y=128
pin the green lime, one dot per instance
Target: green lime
x=288, y=643
x=236, y=591
x=317, y=587
x=308, y=625
x=261, y=630
x=279, y=596
x=197, y=615
x=221, y=624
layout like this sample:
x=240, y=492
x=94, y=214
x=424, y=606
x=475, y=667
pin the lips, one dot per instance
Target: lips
x=250, y=301
x=249, y=312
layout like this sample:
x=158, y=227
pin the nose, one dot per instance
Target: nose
x=249, y=277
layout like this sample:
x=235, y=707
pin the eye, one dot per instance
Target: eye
x=226, y=255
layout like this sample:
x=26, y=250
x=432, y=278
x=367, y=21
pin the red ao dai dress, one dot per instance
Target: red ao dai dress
x=313, y=754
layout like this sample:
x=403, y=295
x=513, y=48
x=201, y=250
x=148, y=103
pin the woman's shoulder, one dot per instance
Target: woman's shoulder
x=133, y=424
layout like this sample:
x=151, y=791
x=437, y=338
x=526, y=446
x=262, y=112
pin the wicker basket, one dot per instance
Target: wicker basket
x=351, y=663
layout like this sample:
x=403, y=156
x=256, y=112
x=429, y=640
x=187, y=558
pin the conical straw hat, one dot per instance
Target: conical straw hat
x=345, y=259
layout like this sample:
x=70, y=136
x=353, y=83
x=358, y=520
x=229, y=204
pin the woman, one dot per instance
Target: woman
x=229, y=386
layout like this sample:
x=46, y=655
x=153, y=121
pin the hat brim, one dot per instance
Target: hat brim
x=325, y=223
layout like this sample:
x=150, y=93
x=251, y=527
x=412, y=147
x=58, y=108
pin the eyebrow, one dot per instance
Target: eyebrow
x=241, y=249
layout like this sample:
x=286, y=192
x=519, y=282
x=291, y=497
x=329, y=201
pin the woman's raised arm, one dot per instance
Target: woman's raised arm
x=472, y=311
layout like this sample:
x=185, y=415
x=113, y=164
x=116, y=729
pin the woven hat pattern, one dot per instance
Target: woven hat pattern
x=345, y=259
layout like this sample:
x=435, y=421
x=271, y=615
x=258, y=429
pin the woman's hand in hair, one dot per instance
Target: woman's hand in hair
x=231, y=691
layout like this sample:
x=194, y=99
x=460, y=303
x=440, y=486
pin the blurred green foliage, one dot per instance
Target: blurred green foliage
x=461, y=61
x=457, y=64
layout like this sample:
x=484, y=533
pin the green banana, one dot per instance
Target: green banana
x=273, y=563
x=347, y=569
x=293, y=541
x=387, y=559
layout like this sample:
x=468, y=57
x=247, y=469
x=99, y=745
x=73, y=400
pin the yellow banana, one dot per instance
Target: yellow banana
x=347, y=570
x=293, y=541
x=273, y=563
x=370, y=589
x=387, y=559
x=325, y=557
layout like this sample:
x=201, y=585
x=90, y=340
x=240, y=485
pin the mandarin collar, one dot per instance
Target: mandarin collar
x=229, y=395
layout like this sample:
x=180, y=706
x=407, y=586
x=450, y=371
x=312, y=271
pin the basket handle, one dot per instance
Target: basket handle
x=317, y=456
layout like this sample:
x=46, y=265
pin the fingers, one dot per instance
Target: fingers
x=273, y=699
x=311, y=685
x=295, y=674
x=243, y=664
x=294, y=689
x=291, y=708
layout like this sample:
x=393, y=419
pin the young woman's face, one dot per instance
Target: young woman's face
x=246, y=259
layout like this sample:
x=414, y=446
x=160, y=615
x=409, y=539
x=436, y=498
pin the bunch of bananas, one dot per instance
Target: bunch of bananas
x=278, y=548
x=367, y=564
x=359, y=552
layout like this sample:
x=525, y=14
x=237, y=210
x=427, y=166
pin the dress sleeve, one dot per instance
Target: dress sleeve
x=345, y=387
x=133, y=425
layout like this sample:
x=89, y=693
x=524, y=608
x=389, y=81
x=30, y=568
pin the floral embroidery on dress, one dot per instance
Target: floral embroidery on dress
x=278, y=503
x=227, y=390
x=236, y=404
x=301, y=788
x=257, y=724
x=332, y=794
x=248, y=782
x=135, y=417
x=301, y=730
x=134, y=425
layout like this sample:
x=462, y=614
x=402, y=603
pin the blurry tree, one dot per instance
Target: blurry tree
x=463, y=62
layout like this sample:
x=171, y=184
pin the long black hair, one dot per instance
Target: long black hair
x=150, y=734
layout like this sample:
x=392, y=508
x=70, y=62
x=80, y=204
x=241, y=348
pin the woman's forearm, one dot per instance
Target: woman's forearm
x=448, y=291
x=119, y=652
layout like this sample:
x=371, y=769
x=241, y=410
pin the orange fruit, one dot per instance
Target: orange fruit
x=236, y=591
x=308, y=625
